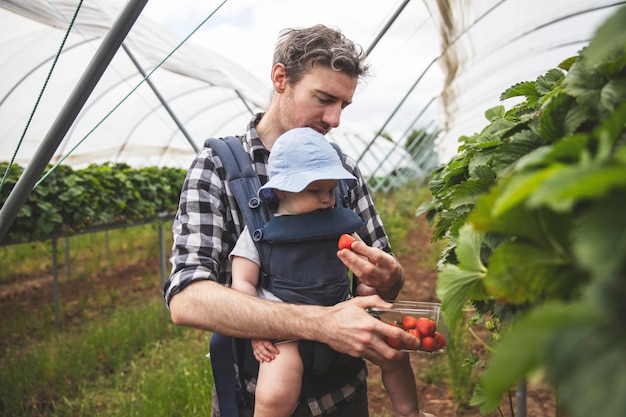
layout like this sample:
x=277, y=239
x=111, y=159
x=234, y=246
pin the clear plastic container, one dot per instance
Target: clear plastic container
x=421, y=319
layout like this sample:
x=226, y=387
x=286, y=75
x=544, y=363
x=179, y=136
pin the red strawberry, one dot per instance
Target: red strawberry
x=346, y=241
x=408, y=322
x=440, y=341
x=416, y=334
x=425, y=326
x=394, y=343
x=428, y=344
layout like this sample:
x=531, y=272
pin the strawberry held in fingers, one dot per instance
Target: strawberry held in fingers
x=394, y=343
x=346, y=241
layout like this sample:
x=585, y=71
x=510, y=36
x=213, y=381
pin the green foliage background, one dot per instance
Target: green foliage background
x=69, y=201
x=533, y=208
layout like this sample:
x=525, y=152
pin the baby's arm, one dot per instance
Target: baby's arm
x=245, y=278
x=245, y=275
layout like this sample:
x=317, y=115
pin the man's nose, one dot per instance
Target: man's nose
x=332, y=115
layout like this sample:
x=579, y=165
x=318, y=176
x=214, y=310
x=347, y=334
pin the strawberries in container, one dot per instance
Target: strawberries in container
x=420, y=319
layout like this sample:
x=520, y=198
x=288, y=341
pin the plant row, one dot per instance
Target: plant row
x=70, y=201
x=533, y=207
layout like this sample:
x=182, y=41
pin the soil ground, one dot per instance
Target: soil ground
x=435, y=397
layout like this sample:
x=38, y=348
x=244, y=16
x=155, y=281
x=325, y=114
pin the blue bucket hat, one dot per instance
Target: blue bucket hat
x=301, y=156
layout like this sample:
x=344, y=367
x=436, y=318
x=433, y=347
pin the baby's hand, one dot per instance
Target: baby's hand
x=264, y=350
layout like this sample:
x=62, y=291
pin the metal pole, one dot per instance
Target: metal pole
x=66, y=117
x=520, y=398
x=55, y=285
x=164, y=103
x=67, y=258
x=387, y=26
x=406, y=96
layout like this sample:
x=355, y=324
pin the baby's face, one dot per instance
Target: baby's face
x=318, y=195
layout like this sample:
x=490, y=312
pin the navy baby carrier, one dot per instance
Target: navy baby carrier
x=266, y=229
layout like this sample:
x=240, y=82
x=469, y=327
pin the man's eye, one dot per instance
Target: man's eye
x=323, y=100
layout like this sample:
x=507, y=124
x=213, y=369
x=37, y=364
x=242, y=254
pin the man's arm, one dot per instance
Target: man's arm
x=346, y=326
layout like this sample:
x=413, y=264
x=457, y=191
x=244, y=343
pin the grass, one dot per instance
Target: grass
x=132, y=362
x=88, y=253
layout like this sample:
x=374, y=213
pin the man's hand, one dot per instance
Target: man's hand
x=374, y=268
x=348, y=328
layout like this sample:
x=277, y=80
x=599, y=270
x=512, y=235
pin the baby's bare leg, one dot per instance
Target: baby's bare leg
x=279, y=383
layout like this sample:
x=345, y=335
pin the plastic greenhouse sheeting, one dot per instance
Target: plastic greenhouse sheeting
x=123, y=120
x=462, y=55
x=195, y=82
x=490, y=45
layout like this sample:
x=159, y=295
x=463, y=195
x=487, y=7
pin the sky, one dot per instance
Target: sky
x=246, y=31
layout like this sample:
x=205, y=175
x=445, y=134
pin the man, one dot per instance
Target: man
x=314, y=76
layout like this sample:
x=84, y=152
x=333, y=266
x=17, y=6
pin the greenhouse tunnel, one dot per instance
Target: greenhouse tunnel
x=105, y=91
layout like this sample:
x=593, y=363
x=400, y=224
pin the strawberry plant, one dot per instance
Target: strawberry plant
x=70, y=201
x=532, y=207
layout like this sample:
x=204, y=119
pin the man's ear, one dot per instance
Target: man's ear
x=279, y=78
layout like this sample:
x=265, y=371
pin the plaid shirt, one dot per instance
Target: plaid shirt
x=208, y=223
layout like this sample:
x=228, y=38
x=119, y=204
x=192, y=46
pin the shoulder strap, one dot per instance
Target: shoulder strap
x=243, y=181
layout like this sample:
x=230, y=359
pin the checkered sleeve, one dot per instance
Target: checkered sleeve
x=362, y=203
x=203, y=229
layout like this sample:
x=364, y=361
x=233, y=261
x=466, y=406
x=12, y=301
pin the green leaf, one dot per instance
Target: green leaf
x=585, y=360
x=563, y=188
x=457, y=283
x=519, y=145
x=467, y=192
x=468, y=249
x=547, y=82
x=600, y=241
x=585, y=84
x=560, y=117
x=609, y=132
x=526, y=89
x=517, y=190
x=495, y=113
x=525, y=348
x=608, y=38
x=543, y=227
x=520, y=272
x=454, y=286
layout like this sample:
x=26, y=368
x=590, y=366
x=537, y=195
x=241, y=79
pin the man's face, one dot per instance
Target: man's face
x=317, y=100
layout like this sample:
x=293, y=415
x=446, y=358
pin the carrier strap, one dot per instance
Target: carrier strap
x=243, y=181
